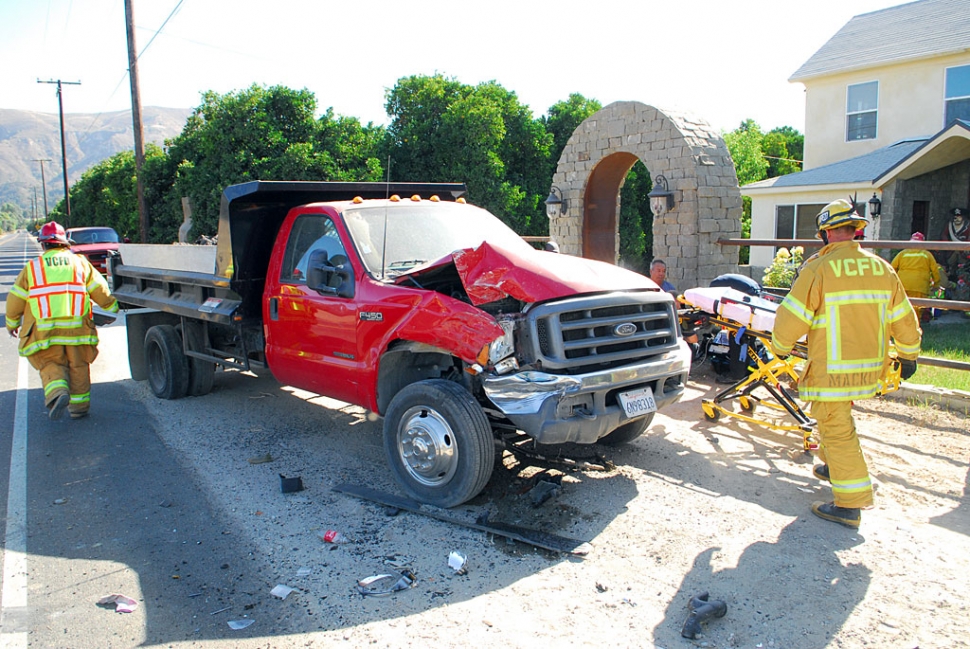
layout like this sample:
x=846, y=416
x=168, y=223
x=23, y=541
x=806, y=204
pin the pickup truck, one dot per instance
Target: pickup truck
x=405, y=300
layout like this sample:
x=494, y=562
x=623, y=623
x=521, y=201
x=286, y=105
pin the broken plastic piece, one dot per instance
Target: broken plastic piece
x=290, y=485
x=236, y=625
x=121, y=603
x=543, y=491
x=304, y=572
x=281, y=591
x=457, y=561
x=380, y=585
x=261, y=459
x=333, y=536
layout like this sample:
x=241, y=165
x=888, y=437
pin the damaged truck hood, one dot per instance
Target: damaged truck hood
x=491, y=272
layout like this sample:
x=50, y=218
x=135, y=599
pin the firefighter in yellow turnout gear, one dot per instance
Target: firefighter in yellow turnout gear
x=850, y=303
x=49, y=308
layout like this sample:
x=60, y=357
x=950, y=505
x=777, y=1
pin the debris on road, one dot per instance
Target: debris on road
x=537, y=538
x=457, y=561
x=261, y=459
x=543, y=491
x=333, y=536
x=700, y=611
x=236, y=625
x=290, y=485
x=121, y=603
x=380, y=585
x=281, y=591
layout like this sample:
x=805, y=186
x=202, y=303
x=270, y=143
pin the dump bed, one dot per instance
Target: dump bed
x=250, y=217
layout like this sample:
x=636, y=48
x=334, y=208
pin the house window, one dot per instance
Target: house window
x=861, y=111
x=957, y=93
x=796, y=221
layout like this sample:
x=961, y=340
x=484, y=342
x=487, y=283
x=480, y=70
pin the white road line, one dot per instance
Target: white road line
x=13, y=612
x=13, y=597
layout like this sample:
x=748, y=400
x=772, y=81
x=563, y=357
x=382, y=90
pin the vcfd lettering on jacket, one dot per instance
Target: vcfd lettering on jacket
x=849, y=326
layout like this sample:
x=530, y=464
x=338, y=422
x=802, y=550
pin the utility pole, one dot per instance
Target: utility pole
x=43, y=182
x=136, y=119
x=60, y=104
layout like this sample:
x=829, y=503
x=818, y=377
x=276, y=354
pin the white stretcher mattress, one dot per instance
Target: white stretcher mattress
x=753, y=312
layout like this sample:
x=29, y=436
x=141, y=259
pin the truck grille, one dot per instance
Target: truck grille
x=601, y=332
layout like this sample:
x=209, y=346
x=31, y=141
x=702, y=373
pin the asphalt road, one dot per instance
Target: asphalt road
x=100, y=506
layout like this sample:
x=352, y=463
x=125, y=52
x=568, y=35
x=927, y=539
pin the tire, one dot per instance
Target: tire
x=627, y=432
x=747, y=404
x=168, y=367
x=201, y=373
x=438, y=443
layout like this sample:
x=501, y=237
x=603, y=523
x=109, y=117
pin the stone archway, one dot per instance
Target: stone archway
x=699, y=172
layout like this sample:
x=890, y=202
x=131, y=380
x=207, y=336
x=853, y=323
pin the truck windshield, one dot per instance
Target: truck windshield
x=93, y=235
x=422, y=232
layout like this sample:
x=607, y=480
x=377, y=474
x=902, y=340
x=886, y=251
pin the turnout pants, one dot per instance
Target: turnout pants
x=66, y=369
x=839, y=448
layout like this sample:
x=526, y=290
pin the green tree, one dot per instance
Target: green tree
x=562, y=120
x=750, y=164
x=444, y=131
x=106, y=194
x=258, y=134
x=636, y=220
x=783, y=148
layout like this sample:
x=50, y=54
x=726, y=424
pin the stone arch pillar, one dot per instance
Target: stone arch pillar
x=699, y=172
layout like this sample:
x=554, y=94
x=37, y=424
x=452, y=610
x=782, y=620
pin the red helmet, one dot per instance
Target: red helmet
x=53, y=232
x=917, y=236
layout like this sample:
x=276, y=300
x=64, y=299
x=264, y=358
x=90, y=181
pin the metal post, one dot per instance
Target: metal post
x=60, y=105
x=43, y=183
x=136, y=120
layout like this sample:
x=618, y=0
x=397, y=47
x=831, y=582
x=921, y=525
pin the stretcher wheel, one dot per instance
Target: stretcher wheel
x=747, y=404
x=710, y=412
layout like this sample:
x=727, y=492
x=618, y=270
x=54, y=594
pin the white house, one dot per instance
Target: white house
x=887, y=114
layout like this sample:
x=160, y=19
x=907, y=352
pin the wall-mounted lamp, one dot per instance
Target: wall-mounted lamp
x=875, y=205
x=556, y=204
x=661, y=198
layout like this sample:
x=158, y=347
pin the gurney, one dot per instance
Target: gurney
x=749, y=320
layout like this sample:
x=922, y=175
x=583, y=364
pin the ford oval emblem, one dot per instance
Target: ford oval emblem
x=625, y=329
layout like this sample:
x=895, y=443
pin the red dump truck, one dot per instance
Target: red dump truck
x=405, y=300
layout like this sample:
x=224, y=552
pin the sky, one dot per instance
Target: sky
x=722, y=60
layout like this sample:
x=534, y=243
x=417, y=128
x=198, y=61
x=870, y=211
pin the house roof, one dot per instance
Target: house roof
x=904, y=159
x=906, y=32
x=864, y=168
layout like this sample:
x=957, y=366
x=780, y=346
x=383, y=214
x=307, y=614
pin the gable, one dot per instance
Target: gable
x=917, y=30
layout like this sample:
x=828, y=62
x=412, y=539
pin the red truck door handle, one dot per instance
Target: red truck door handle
x=274, y=308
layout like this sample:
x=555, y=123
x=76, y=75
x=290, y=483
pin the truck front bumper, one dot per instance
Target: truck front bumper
x=581, y=408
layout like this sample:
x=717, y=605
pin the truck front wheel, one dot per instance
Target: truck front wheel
x=627, y=432
x=168, y=367
x=438, y=443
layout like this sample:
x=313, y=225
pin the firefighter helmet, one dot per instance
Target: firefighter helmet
x=837, y=214
x=53, y=232
x=917, y=236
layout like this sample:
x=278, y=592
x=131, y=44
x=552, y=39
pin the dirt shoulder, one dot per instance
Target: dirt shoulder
x=693, y=506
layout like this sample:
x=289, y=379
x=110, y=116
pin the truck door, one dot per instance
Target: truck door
x=311, y=338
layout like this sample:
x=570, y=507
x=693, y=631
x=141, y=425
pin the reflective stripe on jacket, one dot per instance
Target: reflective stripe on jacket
x=917, y=270
x=50, y=301
x=850, y=303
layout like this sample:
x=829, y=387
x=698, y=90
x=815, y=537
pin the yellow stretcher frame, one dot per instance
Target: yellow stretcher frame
x=768, y=374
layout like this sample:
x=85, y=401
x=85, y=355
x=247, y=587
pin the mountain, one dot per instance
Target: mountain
x=26, y=137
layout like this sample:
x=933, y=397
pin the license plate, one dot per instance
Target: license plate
x=637, y=402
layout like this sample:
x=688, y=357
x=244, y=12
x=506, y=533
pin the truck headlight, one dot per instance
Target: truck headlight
x=504, y=345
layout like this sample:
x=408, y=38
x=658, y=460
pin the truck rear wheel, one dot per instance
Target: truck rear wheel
x=438, y=443
x=168, y=367
x=201, y=373
x=627, y=432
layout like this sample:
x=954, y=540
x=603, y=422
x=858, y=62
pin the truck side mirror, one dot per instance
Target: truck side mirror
x=330, y=276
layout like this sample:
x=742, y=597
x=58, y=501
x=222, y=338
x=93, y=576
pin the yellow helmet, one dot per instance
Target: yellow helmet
x=839, y=213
